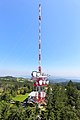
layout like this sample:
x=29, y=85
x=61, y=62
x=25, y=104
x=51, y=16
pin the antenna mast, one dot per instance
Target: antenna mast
x=40, y=81
x=40, y=18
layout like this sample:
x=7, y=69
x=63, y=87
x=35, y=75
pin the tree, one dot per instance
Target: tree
x=49, y=109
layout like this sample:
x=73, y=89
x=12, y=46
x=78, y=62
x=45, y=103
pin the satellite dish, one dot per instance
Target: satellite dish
x=34, y=73
x=44, y=82
x=36, y=83
x=38, y=74
x=40, y=82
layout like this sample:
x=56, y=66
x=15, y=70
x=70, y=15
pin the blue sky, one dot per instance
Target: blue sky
x=60, y=37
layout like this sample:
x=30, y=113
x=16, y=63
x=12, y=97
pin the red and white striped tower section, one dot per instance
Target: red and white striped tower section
x=40, y=80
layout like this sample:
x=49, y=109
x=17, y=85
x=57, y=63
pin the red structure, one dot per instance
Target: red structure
x=40, y=80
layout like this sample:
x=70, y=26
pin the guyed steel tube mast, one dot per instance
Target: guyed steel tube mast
x=40, y=80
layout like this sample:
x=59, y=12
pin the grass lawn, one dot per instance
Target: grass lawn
x=21, y=98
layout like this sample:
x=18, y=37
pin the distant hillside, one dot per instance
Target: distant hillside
x=11, y=78
x=59, y=80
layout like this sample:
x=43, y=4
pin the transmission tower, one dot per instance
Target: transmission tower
x=40, y=80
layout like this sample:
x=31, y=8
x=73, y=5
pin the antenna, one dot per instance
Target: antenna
x=40, y=18
x=40, y=81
